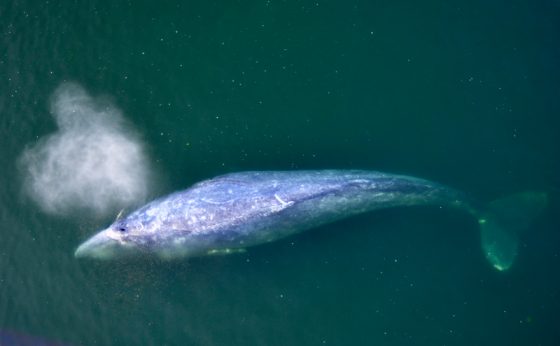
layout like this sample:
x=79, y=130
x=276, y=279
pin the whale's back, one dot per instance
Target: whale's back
x=248, y=208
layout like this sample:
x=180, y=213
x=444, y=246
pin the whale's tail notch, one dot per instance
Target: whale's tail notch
x=503, y=222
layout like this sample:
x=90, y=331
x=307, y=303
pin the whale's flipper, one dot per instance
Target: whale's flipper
x=226, y=251
x=504, y=220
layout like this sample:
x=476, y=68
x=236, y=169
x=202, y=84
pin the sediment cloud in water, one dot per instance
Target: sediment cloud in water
x=94, y=162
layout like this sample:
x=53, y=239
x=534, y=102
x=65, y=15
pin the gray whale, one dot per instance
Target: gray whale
x=232, y=212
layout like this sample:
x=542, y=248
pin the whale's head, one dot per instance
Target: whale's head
x=124, y=238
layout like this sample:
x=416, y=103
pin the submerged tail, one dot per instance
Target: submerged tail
x=502, y=223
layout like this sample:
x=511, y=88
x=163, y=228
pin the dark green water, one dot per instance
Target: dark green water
x=464, y=93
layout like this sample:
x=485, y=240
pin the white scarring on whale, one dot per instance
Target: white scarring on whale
x=232, y=212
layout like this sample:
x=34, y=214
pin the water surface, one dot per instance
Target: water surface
x=461, y=93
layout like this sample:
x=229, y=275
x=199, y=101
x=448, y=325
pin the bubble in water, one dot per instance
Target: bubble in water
x=94, y=162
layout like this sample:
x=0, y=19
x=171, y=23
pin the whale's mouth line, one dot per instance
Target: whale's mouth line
x=103, y=245
x=114, y=235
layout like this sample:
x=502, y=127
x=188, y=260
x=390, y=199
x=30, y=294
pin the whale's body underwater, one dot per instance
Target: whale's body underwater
x=232, y=212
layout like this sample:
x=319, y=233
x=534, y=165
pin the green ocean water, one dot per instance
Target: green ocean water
x=463, y=93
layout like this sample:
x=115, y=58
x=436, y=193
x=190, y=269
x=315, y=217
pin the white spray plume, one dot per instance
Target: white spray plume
x=95, y=162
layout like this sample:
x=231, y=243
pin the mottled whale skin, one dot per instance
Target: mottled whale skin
x=244, y=209
x=235, y=211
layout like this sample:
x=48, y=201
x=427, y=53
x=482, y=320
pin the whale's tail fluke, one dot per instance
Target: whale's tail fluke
x=502, y=223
